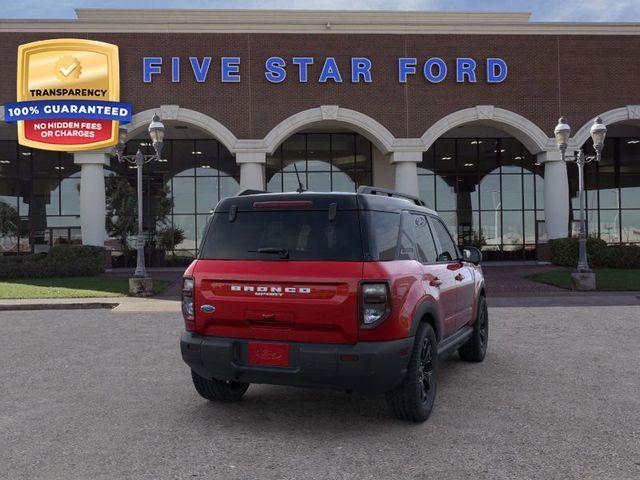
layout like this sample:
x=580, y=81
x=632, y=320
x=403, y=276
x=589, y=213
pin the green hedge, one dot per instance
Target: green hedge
x=564, y=252
x=61, y=261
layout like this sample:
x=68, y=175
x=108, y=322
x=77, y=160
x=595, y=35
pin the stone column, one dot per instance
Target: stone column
x=556, y=194
x=251, y=170
x=92, y=195
x=406, y=166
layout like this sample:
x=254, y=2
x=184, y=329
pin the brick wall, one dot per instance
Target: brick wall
x=578, y=76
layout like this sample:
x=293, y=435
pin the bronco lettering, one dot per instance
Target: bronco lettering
x=274, y=290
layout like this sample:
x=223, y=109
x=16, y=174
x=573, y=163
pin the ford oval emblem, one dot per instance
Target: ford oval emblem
x=208, y=308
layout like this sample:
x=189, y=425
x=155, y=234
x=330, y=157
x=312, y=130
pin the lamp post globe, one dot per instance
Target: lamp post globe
x=122, y=139
x=156, y=133
x=598, y=133
x=562, y=133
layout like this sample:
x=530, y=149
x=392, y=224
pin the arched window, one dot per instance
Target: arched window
x=488, y=190
x=325, y=162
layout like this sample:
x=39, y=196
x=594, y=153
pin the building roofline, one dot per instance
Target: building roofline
x=285, y=15
x=310, y=21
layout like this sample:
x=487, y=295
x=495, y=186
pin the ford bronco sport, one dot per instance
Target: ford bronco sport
x=358, y=291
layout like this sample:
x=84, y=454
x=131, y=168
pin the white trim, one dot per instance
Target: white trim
x=358, y=122
x=140, y=121
x=531, y=136
x=622, y=114
x=292, y=15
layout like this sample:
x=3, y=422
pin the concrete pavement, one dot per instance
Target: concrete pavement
x=103, y=394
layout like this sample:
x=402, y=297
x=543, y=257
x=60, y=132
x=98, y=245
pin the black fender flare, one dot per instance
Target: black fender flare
x=481, y=291
x=427, y=307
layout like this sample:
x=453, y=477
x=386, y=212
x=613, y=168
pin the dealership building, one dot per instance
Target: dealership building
x=456, y=108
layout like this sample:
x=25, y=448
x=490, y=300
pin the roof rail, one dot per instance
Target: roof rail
x=390, y=193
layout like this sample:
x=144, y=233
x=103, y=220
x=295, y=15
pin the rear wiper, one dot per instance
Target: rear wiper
x=283, y=252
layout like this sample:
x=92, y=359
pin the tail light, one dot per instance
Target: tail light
x=187, y=303
x=375, y=304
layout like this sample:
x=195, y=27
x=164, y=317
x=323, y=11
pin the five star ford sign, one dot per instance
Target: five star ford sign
x=68, y=95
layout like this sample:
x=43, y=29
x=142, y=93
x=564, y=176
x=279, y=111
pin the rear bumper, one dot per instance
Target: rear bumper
x=380, y=366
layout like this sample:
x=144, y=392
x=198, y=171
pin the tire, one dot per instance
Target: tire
x=218, y=390
x=413, y=399
x=475, y=348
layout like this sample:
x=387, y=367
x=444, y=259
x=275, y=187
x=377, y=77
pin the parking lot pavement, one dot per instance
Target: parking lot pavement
x=104, y=395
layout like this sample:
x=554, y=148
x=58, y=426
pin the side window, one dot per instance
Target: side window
x=384, y=228
x=406, y=249
x=449, y=251
x=427, y=252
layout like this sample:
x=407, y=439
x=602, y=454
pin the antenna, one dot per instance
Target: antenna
x=300, y=188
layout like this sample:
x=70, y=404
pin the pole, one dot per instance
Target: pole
x=583, y=262
x=140, y=268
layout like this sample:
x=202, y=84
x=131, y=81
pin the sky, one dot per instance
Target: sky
x=542, y=10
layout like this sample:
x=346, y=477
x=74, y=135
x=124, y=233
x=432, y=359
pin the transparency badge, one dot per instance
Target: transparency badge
x=68, y=95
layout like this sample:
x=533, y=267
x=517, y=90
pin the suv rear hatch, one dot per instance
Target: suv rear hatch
x=281, y=267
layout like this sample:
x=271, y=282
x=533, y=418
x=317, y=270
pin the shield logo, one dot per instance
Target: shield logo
x=70, y=74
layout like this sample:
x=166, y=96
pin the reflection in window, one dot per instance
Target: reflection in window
x=325, y=162
x=194, y=175
x=612, y=191
x=488, y=190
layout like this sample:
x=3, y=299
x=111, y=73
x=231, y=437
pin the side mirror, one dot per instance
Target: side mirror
x=472, y=255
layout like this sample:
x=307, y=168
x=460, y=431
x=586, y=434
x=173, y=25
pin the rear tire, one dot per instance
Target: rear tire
x=218, y=390
x=475, y=348
x=413, y=399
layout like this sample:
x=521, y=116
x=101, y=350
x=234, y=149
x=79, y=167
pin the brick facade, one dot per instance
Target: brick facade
x=575, y=75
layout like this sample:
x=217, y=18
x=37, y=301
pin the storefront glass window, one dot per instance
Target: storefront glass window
x=612, y=191
x=325, y=162
x=488, y=190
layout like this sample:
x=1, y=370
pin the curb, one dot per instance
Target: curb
x=57, y=306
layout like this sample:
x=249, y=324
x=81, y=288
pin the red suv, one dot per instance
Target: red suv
x=358, y=291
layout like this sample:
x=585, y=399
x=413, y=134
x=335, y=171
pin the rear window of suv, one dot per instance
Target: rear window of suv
x=275, y=235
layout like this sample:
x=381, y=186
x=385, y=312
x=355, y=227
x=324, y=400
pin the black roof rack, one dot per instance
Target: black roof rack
x=390, y=193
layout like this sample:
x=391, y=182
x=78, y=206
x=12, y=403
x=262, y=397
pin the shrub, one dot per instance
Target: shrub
x=618, y=256
x=61, y=261
x=169, y=237
x=564, y=252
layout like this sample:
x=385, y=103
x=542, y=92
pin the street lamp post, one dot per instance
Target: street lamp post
x=583, y=278
x=156, y=133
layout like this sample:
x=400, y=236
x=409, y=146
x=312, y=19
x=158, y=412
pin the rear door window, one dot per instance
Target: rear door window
x=276, y=235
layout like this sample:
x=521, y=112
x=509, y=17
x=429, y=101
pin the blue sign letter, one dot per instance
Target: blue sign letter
x=200, y=71
x=230, y=70
x=303, y=64
x=465, y=67
x=360, y=66
x=175, y=69
x=406, y=66
x=496, y=70
x=151, y=66
x=330, y=71
x=428, y=70
x=275, y=69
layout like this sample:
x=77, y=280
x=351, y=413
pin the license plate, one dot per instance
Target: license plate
x=269, y=354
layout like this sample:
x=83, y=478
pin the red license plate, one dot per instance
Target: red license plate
x=269, y=354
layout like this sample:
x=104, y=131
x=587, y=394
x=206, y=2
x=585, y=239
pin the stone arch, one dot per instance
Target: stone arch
x=527, y=132
x=622, y=114
x=141, y=120
x=382, y=138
